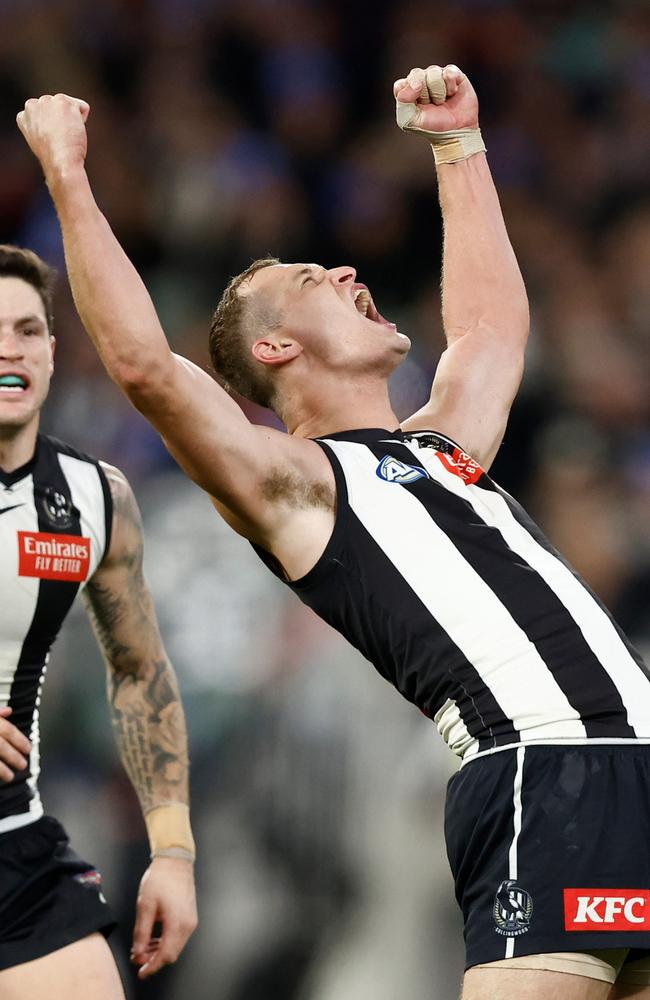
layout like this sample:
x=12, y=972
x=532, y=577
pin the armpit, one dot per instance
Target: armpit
x=296, y=492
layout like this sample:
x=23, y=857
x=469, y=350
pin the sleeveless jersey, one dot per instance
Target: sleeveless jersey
x=446, y=585
x=55, y=524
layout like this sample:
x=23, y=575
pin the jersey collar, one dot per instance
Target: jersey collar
x=11, y=478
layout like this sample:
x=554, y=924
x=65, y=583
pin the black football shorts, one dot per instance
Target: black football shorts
x=549, y=847
x=49, y=896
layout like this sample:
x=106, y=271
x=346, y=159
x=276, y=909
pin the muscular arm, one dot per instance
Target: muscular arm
x=484, y=305
x=145, y=704
x=202, y=426
x=149, y=726
x=482, y=287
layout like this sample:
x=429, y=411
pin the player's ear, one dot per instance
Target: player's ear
x=52, y=350
x=271, y=352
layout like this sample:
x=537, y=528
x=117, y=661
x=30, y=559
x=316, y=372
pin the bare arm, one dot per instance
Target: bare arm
x=149, y=727
x=203, y=427
x=485, y=307
x=145, y=703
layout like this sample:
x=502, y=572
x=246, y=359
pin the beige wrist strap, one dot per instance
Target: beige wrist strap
x=448, y=147
x=457, y=144
x=170, y=833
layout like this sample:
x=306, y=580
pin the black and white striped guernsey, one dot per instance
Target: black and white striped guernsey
x=55, y=524
x=446, y=585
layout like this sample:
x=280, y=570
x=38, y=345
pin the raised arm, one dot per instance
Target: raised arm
x=485, y=307
x=203, y=427
x=149, y=726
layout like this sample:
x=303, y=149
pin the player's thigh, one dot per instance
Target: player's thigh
x=530, y=984
x=79, y=971
x=633, y=982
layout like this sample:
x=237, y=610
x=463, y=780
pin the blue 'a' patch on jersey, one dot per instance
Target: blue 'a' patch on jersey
x=393, y=471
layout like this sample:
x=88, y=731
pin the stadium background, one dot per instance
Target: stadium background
x=225, y=129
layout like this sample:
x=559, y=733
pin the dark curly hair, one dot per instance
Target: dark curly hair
x=16, y=262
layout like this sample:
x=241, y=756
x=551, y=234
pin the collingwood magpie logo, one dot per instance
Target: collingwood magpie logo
x=513, y=908
x=393, y=471
x=57, y=508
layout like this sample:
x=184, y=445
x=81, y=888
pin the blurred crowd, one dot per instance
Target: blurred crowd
x=223, y=130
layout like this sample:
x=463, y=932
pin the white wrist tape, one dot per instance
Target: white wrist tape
x=170, y=833
x=448, y=147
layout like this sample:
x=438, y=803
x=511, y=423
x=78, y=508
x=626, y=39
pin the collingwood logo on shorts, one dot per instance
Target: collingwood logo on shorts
x=513, y=907
x=393, y=471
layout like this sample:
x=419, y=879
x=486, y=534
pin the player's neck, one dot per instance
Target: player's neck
x=17, y=444
x=347, y=406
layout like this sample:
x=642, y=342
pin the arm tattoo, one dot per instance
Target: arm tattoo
x=149, y=726
x=106, y=611
x=145, y=705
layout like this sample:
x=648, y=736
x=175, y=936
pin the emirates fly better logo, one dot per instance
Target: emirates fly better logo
x=607, y=909
x=462, y=465
x=53, y=557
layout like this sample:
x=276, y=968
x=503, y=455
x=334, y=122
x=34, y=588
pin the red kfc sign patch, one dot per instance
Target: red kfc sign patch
x=53, y=557
x=606, y=909
x=462, y=465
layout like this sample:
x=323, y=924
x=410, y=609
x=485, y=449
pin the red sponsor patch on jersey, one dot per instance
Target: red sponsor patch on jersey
x=462, y=465
x=53, y=557
x=606, y=909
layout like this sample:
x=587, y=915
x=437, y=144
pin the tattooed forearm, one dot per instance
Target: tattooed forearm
x=106, y=611
x=145, y=704
x=150, y=729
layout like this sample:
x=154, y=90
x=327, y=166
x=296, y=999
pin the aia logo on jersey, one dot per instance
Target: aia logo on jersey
x=393, y=471
x=462, y=465
x=606, y=910
x=57, y=508
x=513, y=908
x=53, y=557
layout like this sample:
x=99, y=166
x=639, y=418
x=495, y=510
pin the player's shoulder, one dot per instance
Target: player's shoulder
x=293, y=446
x=116, y=478
x=122, y=495
x=125, y=540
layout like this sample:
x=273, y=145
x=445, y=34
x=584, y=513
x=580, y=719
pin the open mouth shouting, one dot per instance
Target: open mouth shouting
x=364, y=304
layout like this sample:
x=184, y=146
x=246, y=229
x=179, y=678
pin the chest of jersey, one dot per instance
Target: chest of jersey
x=52, y=537
x=446, y=585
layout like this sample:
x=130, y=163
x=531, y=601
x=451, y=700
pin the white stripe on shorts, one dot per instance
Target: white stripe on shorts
x=512, y=855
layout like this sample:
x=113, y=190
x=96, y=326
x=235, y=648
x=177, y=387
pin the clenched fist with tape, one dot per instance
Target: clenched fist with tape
x=441, y=104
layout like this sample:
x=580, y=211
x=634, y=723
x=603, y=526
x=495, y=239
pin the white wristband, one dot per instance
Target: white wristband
x=174, y=852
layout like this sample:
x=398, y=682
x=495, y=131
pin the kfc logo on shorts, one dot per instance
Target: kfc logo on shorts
x=462, y=465
x=606, y=909
x=53, y=557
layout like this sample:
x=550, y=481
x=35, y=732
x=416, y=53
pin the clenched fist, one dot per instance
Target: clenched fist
x=14, y=747
x=442, y=104
x=55, y=130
